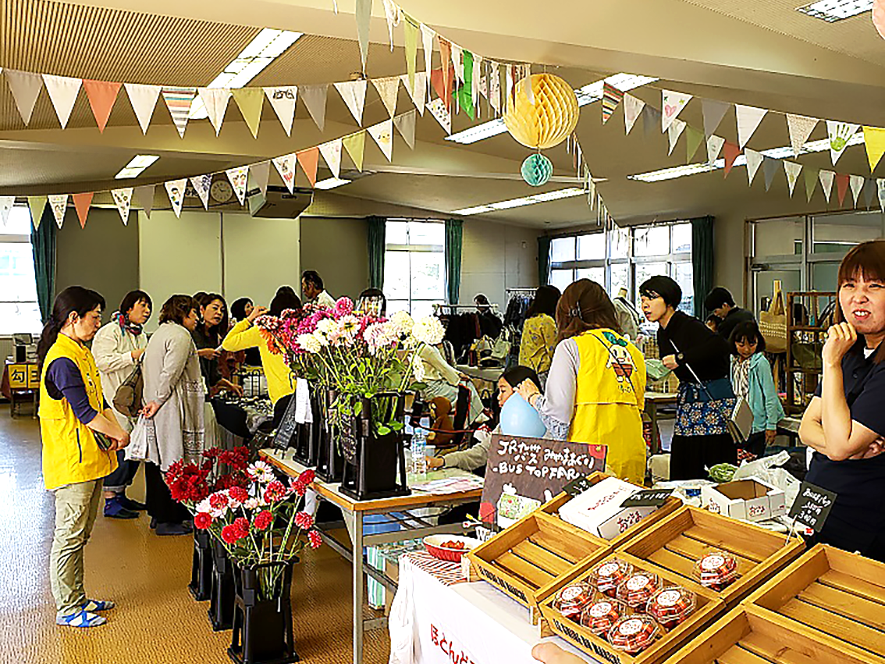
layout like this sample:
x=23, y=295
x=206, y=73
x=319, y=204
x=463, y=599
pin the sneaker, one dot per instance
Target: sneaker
x=113, y=509
x=81, y=618
x=164, y=529
x=132, y=505
x=94, y=605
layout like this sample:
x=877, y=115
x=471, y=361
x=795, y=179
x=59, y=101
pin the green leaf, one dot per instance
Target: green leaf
x=397, y=426
x=358, y=408
x=383, y=430
x=417, y=387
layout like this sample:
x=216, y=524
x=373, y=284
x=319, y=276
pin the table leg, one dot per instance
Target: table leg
x=357, y=537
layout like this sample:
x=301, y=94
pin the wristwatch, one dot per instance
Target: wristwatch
x=680, y=358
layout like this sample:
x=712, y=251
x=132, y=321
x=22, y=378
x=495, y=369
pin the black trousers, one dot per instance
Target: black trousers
x=691, y=455
x=158, y=499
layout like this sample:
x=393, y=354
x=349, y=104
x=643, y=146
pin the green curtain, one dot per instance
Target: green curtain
x=543, y=260
x=454, y=235
x=43, y=248
x=702, y=261
x=377, y=240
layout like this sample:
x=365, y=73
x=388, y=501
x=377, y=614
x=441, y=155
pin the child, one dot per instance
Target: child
x=712, y=322
x=751, y=378
x=477, y=456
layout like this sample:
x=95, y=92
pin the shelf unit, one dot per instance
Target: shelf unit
x=807, y=323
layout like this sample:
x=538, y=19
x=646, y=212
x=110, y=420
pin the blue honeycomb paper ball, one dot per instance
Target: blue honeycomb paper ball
x=536, y=170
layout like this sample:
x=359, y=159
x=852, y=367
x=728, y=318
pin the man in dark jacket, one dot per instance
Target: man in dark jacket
x=720, y=302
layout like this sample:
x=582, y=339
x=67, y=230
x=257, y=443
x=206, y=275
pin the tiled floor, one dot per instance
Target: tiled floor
x=157, y=620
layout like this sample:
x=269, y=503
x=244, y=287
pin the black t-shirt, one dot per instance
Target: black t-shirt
x=734, y=318
x=857, y=520
x=704, y=351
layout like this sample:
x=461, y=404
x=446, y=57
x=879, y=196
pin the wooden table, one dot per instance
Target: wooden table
x=400, y=509
x=21, y=381
x=652, y=401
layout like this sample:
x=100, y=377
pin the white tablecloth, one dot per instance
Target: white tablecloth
x=467, y=623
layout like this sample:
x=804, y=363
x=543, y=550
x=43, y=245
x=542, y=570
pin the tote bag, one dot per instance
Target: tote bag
x=773, y=322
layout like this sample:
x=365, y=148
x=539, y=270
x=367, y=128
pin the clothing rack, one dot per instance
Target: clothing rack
x=437, y=307
x=522, y=289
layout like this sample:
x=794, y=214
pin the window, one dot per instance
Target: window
x=415, y=266
x=19, y=311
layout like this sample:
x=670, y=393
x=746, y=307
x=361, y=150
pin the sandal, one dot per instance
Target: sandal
x=92, y=605
x=80, y=619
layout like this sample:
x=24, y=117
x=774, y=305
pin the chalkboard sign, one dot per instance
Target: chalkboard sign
x=648, y=498
x=288, y=429
x=812, y=506
x=530, y=471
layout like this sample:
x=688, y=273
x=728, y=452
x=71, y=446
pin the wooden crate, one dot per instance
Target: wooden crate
x=680, y=539
x=535, y=557
x=749, y=635
x=834, y=592
x=709, y=607
x=673, y=503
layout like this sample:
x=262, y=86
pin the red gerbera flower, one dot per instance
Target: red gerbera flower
x=242, y=526
x=238, y=494
x=303, y=520
x=230, y=534
x=314, y=539
x=202, y=521
x=263, y=520
x=307, y=476
x=275, y=492
x=218, y=500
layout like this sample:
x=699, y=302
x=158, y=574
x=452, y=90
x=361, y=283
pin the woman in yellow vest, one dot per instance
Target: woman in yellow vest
x=80, y=437
x=596, y=387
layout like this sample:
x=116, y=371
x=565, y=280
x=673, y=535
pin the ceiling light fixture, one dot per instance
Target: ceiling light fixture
x=331, y=183
x=555, y=195
x=786, y=152
x=268, y=45
x=586, y=95
x=836, y=10
x=136, y=166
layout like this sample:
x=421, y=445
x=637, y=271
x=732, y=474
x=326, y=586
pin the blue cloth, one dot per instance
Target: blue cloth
x=764, y=402
x=64, y=380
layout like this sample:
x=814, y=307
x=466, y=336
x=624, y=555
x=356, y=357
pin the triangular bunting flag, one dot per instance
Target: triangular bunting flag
x=754, y=160
x=731, y=152
x=439, y=111
x=672, y=104
x=123, y=201
x=748, y=119
x=354, y=95
x=857, y=183
x=215, y=101
x=839, y=135
x=237, y=177
x=6, y=203
x=800, y=128
x=143, y=99
x=387, y=89
x=383, y=135
x=465, y=93
x=651, y=121
x=713, y=112
x=363, y=16
x=841, y=186
x=632, y=109
x=674, y=131
x=202, y=184
x=427, y=35
x=418, y=93
x=355, y=145
x=81, y=204
x=175, y=190
x=144, y=198
x=178, y=101
x=693, y=138
x=475, y=79
x=458, y=64
x=260, y=174
x=405, y=124
x=495, y=86
x=826, y=182
x=59, y=204
x=37, y=204
x=792, y=169
x=410, y=31
x=392, y=13
x=769, y=168
x=714, y=147
x=611, y=97
x=331, y=152
x=445, y=56
x=874, y=139
x=869, y=193
x=250, y=102
x=63, y=91
x=25, y=88
x=309, y=160
x=283, y=99
x=285, y=166
x=102, y=96
x=880, y=188
x=811, y=175
x=314, y=97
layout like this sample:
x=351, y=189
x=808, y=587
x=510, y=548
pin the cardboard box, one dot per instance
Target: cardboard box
x=749, y=500
x=598, y=510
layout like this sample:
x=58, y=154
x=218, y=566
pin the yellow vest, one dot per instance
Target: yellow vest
x=70, y=453
x=280, y=379
x=609, y=400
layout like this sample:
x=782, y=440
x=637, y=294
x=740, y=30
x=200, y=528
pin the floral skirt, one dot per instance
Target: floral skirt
x=704, y=412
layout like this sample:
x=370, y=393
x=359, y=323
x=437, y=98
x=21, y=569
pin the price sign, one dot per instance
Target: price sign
x=812, y=506
x=577, y=487
x=648, y=498
x=288, y=428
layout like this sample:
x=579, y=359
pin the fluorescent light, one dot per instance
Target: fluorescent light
x=136, y=166
x=331, y=183
x=267, y=45
x=520, y=202
x=836, y=10
x=586, y=95
x=785, y=152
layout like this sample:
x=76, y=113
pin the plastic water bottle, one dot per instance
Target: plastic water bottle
x=419, y=449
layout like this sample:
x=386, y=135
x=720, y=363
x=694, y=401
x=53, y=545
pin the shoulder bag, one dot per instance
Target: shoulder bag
x=129, y=397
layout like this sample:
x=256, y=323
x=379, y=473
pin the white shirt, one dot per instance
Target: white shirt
x=324, y=300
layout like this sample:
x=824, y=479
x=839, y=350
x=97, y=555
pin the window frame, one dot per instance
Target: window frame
x=19, y=238
x=415, y=249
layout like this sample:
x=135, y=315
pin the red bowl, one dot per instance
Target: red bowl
x=434, y=546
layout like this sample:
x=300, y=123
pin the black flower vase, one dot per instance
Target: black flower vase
x=201, y=568
x=221, y=596
x=309, y=436
x=330, y=464
x=262, y=625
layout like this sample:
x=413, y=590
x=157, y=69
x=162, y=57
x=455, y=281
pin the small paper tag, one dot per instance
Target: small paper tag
x=648, y=498
x=578, y=486
x=812, y=506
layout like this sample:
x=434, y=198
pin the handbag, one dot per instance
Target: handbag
x=740, y=424
x=702, y=407
x=773, y=322
x=129, y=397
x=142, y=439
